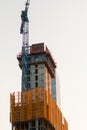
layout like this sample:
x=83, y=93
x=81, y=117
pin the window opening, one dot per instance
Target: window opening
x=36, y=65
x=36, y=84
x=36, y=77
x=36, y=71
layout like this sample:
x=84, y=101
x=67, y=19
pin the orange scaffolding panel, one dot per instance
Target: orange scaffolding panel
x=34, y=104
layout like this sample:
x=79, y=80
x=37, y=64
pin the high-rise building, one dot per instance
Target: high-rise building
x=36, y=109
x=37, y=106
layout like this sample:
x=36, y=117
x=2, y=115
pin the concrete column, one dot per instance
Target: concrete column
x=37, y=124
x=29, y=125
x=12, y=126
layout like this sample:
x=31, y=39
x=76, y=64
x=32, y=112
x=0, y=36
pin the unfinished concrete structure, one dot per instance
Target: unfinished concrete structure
x=36, y=109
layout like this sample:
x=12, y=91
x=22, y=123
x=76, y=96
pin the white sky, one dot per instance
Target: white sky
x=62, y=26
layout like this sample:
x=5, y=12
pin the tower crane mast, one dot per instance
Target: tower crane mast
x=24, y=30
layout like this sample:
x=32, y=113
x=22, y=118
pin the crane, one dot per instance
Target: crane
x=24, y=30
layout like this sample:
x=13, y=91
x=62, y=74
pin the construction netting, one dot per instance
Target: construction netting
x=33, y=104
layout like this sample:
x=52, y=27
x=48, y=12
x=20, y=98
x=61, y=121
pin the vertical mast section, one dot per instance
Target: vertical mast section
x=24, y=30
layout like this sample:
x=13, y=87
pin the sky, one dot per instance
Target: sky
x=62, y=26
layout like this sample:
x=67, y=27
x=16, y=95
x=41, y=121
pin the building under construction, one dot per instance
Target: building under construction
x=35, y=107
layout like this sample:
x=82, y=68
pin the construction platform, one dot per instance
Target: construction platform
x=36, y=104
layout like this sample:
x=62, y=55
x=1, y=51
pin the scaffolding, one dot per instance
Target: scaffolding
x=35, y=104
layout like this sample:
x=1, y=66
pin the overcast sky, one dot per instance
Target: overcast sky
x=62, y=26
